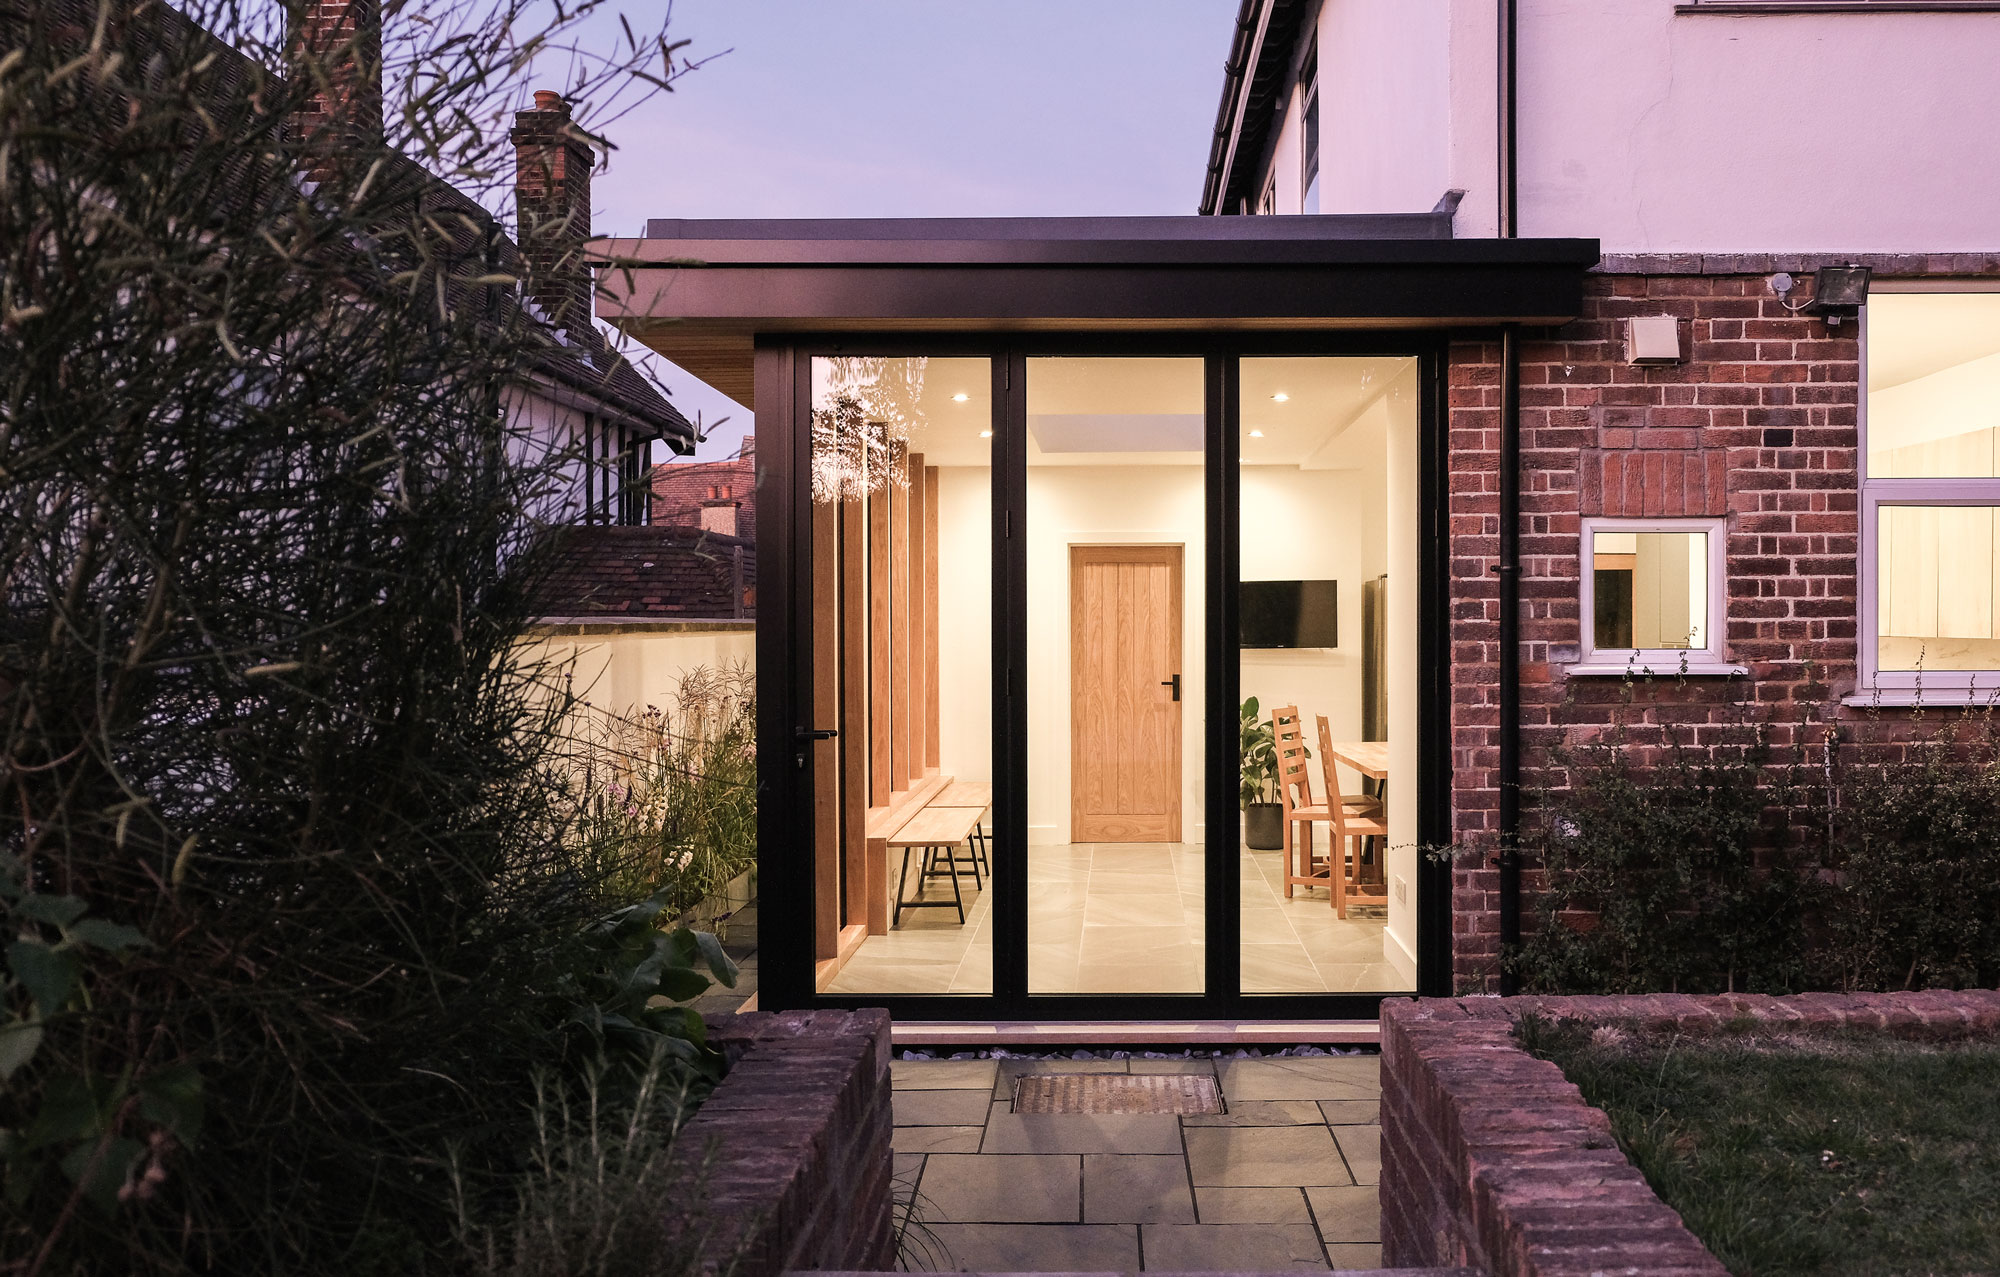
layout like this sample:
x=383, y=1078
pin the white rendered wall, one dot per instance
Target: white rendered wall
x=1654, y=130
x=623, y=673
x=1663, y=132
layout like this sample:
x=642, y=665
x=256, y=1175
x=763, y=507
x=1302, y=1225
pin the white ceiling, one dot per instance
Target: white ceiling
x=1912, y=335
x=1134, y=411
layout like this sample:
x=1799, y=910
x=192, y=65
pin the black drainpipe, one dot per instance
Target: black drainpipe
x=1509, y=777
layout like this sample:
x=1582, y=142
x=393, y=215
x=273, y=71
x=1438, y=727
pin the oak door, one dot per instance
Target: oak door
x=1125, y=693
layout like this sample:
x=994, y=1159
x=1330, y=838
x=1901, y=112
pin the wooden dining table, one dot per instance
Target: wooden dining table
x=1369, y=757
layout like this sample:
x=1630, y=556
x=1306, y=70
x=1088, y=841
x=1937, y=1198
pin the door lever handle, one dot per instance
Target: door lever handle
x=1175, y=683
x=804, y=734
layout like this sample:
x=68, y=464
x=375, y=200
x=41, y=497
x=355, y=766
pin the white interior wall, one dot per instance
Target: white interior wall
x=1404, y=521
x=965, y=622
x=1104, y=505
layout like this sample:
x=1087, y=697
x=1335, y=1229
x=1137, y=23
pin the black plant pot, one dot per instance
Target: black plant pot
x=1264, y=826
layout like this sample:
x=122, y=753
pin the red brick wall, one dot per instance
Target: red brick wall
x=796, y=1140
x=1758, y=426
x=1491, y=1158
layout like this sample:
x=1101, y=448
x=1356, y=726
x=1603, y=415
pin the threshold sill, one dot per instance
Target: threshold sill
x=1693, y=669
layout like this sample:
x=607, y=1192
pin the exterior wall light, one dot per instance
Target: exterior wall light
x=1838, y=292
x=1652, y=339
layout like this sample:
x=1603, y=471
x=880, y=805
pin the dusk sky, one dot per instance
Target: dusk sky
x=907, y=108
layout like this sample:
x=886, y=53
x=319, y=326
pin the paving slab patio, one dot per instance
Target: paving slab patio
x=1283, y=1179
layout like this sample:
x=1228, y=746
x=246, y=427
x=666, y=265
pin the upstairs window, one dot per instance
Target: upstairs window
x=1309, y=129
x=1930, y=496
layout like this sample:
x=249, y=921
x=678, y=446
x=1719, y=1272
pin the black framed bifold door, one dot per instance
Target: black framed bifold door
x=1102, y=680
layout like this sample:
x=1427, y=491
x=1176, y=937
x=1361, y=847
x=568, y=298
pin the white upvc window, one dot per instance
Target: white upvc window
x=1929, y=623
x=1653, y=597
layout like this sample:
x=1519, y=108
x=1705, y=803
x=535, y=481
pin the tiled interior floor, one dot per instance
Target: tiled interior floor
x=1286, y=1178
x=1127, y=918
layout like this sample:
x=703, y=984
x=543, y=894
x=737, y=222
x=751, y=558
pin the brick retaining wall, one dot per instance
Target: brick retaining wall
x=1491, y=1158
x=798, y=1140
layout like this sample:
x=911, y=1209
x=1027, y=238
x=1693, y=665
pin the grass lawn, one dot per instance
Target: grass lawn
x=1789, y=1154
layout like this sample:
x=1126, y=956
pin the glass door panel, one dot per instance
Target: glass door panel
x=1327, y=642
x=902, y=574
x=1115, y=565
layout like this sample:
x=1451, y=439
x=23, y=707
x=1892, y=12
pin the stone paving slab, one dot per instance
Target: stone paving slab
x=1124, y=1188
x=1347, y=1215
x=1261, y=1113
x=940, y=1108
x=943, y=1075
x=1284, y=1180
x=1308, y=1078
x=1264, y=1156
x=1258, y=1248
x=966, y=1188
x=1362, y=1147
x=936, y=1139
x=1354, y=1257
x=1038, y=1248
x=1008, y=1132
x=1351, y=1112
x=1252, y=1206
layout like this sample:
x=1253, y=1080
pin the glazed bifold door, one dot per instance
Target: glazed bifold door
x=901, y=774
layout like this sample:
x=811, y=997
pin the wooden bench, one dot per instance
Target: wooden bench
x=892, y=827
x=931, y=830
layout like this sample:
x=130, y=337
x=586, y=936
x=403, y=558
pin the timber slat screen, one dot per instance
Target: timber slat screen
x=875, y=666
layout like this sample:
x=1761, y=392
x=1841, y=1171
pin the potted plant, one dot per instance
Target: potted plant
x=1263, y=818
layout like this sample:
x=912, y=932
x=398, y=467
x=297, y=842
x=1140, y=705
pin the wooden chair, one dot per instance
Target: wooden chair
x=1353, y=819
x=1295, y=792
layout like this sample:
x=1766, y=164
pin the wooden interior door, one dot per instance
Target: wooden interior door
x=1125, y=689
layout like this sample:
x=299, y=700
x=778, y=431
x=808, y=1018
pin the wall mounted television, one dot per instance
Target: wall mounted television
x=1289, y=614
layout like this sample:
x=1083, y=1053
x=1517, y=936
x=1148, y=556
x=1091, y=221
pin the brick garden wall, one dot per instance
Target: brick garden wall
x=797, y=1137
x=1491, y=1158
x=1758, y=426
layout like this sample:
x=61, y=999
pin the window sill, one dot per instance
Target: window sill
x=1927, y=698
x=1693, y=669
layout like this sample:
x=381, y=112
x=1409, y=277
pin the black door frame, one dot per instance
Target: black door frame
x=784, y=656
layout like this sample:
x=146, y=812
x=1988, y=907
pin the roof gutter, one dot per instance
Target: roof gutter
x=1252, y=17
x=1508, y=770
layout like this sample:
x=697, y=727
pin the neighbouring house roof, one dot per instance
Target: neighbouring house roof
x=624, y=574
x=1259, y=56
x=700, y=292
x=577, y=362
x=683, y=490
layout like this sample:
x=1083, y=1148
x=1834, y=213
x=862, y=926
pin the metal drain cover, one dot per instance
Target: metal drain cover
x=1117, y=1093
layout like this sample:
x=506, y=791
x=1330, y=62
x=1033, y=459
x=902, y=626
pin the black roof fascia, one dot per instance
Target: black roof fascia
x=1260, y=55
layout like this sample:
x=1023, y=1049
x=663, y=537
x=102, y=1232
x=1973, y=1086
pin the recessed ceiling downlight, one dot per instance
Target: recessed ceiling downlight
x=1282, y=397
x=960, y=397
x=1256, y=434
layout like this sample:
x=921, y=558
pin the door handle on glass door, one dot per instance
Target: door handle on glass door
x=1175, y=683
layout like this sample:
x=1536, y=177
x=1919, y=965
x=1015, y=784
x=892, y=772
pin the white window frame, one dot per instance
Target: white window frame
x=1658, y=662
x=1875, y=686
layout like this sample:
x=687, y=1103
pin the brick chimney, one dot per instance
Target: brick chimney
x=552, y=163
x=340, y=69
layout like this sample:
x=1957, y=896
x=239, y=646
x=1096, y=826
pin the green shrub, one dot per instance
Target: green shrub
x=1917, y=864
x=666, y=799
x=1654, y=878
x=1718, y=865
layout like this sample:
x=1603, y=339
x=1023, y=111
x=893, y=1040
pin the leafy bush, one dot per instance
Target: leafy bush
x=1713, y=866
x=1653, y=874
x=1918, y=861
x=290, y=898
